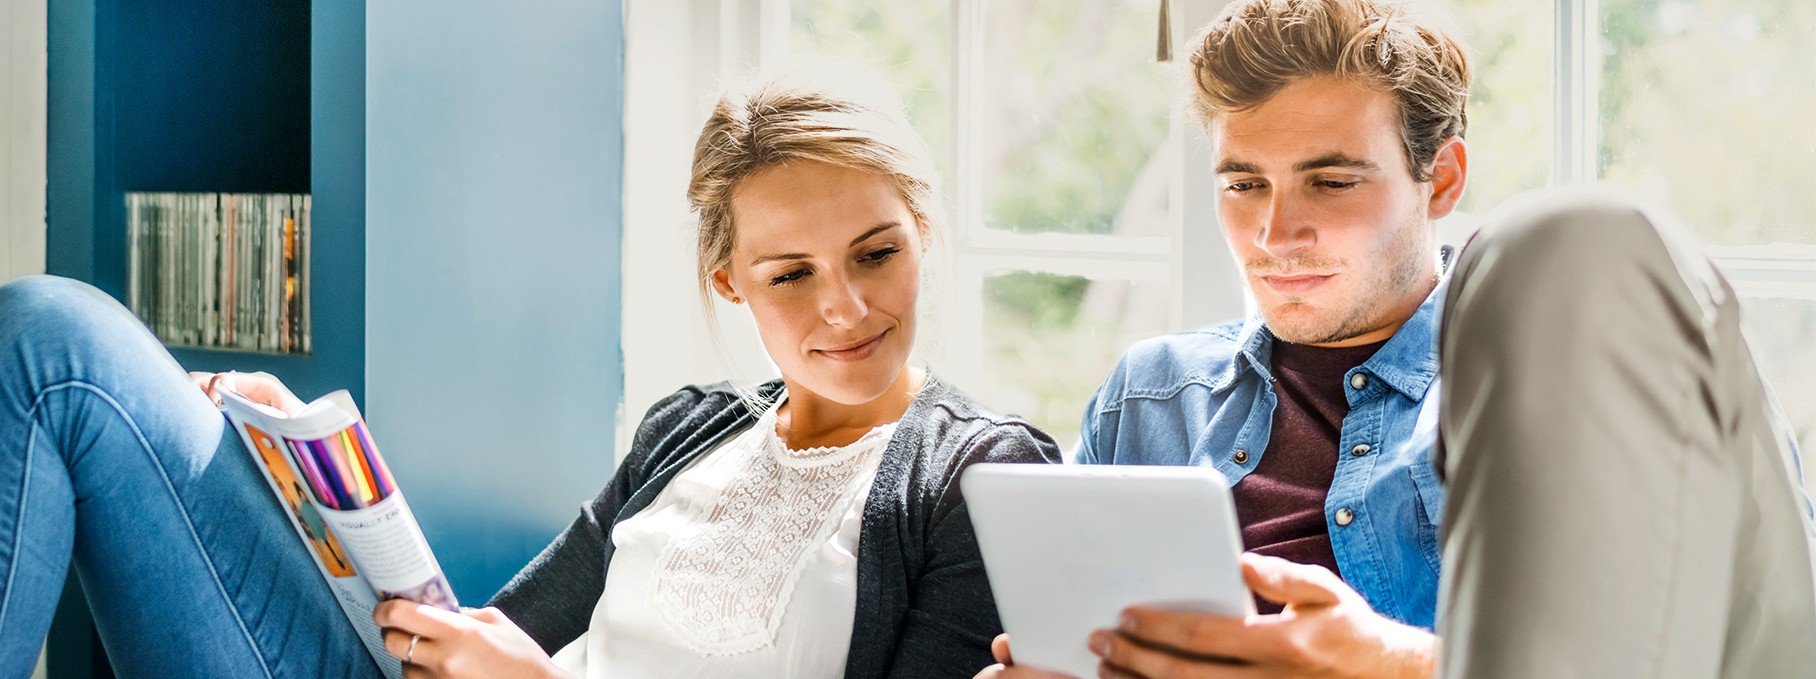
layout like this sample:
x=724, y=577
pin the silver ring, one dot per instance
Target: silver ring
x=411, y=654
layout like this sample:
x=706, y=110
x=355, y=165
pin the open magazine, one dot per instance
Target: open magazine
x=326, y=472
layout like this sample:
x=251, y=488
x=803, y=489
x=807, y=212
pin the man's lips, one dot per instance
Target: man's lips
x=855, y=351
x=1297, y=284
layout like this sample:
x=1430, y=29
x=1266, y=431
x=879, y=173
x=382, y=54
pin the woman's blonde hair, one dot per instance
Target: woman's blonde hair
x=821, y=113
x=1256, y=47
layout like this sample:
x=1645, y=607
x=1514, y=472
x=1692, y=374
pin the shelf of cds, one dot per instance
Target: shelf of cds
x=221, y=270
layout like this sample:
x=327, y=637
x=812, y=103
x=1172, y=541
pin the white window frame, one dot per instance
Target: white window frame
x=1190, y=256
x=679, y=50
x=1767, y=270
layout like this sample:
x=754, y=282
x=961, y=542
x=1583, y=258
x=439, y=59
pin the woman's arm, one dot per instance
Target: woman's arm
x=552, y=599
x=953, y=618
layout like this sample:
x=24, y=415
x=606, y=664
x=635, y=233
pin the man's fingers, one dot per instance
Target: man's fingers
x=1291, y=584
x=1198, y=634
x=1124, y=656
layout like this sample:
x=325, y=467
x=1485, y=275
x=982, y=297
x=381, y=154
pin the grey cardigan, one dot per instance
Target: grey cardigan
x=923, y=604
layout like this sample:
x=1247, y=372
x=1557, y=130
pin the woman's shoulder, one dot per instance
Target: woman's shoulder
x=697, y=414
x=695, y=400
x=951, y=424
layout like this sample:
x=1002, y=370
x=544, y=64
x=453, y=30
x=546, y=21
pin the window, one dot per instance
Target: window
x=1701, y=105
x=1053, y=123
x=1074, y=229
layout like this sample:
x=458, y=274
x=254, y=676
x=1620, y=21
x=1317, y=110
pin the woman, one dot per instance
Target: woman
x=811, y=526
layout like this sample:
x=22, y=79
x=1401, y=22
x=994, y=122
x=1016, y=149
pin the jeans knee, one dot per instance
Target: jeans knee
x=60, y=311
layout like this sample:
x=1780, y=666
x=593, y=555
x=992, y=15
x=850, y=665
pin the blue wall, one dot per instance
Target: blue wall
x=493, y=155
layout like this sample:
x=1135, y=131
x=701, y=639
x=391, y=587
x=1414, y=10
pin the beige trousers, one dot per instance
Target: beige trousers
x=1623, y=495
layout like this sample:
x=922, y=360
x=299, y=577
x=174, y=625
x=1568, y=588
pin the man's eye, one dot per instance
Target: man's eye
x=789, y=277
x=1337, y=184
x=1242, y=187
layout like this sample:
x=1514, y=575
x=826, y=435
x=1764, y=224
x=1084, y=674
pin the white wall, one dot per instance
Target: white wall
x=23, y=34
x=676, y=54
x=22, y=78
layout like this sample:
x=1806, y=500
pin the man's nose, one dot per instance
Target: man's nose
x=1284, y=229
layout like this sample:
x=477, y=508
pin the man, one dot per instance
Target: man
x=1336, y=128
x=1336, y=133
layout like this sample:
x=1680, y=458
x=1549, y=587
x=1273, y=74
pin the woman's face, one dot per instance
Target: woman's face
x=829, y=260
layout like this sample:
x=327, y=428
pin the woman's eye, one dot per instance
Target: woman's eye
x=879, y=256
x=789, y=277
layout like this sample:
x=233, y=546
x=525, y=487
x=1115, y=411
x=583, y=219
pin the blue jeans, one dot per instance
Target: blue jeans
x=109, y=455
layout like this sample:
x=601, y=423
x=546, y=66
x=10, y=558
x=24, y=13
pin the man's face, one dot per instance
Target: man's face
x=1318, y=204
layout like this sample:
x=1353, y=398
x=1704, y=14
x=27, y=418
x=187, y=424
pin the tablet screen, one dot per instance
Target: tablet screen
x=1067, y=547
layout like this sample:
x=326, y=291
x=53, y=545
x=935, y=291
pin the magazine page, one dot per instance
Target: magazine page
x=327, y=474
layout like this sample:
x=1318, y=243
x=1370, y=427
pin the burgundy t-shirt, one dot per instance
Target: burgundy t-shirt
x=1281, y=502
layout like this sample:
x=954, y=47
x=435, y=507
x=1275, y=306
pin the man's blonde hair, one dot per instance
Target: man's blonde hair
x=1256, y=47
x=814, y=113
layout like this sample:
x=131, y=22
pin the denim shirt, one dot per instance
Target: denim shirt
x=1206, y=397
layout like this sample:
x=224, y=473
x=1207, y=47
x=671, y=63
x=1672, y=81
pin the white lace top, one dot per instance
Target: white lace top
x=745, y=565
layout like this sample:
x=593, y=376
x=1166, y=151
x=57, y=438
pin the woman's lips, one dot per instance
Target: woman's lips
x=1296, y=285
x=856, y=351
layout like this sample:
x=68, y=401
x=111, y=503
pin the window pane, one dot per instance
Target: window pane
x=1051, y=340
x=1073, y=111
x=908, y=41
x=1706, y=105
x=1510, y=119
x=1780, y=330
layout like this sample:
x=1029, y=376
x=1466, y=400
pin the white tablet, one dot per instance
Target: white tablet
x=1067, y=547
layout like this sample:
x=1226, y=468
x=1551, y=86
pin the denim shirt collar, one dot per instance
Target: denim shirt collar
x=1408, y=362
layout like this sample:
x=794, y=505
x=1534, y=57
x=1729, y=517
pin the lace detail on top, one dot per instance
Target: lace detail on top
x=723, y=583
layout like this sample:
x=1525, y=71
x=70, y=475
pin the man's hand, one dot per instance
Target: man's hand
x=260, y=388
x=1326, y=630
x=477, y=642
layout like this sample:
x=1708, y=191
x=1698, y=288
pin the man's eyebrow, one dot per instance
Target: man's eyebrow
x=1328, y=160
x=867, y=235
x=1337, y=160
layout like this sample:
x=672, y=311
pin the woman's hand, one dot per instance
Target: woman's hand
x=1005, y=667
x=477, y=642
x=261, y=388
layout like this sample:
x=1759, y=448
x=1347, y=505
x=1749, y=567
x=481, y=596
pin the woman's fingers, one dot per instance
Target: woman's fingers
x=397, y=643
x=415, y=618
x=261, y=388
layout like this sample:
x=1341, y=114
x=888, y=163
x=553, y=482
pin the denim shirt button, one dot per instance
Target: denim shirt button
x=1345, y=516
x=1241, y=457
x=1358, y=381
x=1360, y=450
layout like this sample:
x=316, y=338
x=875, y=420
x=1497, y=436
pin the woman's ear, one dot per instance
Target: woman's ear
x=722, y=285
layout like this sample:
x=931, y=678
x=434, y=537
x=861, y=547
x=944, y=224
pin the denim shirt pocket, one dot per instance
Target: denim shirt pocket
x=1431, y=503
